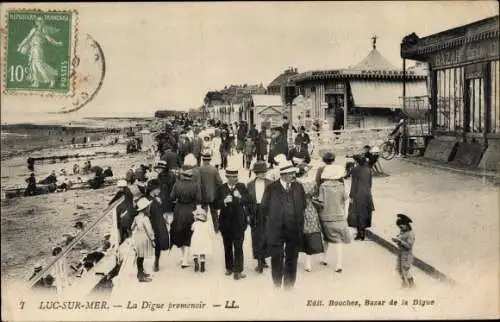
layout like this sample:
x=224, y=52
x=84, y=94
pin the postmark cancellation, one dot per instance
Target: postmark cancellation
x=38, y=53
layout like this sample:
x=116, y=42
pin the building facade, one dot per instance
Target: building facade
x=366, y=95
x=464, y=91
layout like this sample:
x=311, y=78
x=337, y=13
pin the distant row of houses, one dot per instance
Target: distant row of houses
x=369, y=94
x=453, y=86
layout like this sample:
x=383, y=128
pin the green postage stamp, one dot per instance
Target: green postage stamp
x=39, y=51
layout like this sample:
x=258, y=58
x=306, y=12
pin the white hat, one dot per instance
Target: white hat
x=375, y=149
x=280, y=158
x=121, y=183
x=142, y=204
x=190, y=160
x=333, y=172
x=287, y=167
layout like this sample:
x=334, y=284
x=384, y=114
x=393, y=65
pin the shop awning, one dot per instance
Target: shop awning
x=382, y=94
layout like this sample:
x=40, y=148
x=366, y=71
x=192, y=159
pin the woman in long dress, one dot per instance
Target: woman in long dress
x=216, y=148
x=312, y=228
x=158, y=221
x=143, y=237
x=32, y=45
x=361, y=199
x=332, y=197
x=187, y=195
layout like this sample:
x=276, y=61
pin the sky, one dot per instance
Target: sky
x=168, y=55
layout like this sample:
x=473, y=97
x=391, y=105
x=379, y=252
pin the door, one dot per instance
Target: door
x=475, y=105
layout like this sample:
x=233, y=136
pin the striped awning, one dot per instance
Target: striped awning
x=381, y=94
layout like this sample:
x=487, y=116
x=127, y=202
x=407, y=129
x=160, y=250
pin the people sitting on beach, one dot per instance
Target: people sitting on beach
x=108, y=172
x=31, y=164
x=76, y=169
x=69, y=237
x=90, y=259
x=52, y=178
x=98, y=179
x=130, y=175
x=46, y=282
x=31, y=188
x=86, y=167
x=62, y=183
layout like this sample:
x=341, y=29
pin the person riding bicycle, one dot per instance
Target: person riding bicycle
x=399, y=133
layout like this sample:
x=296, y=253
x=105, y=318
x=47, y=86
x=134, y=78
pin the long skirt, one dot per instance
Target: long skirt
x=180, y=230
x=258, y=231
x=336, y=232
x=313, y=243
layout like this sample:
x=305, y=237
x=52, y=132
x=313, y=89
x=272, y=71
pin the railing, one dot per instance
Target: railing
x=60, y=258
x=352, y=140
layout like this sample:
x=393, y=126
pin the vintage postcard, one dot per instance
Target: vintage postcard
x=250, y=161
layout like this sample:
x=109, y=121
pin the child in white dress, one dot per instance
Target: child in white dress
x=201, y=243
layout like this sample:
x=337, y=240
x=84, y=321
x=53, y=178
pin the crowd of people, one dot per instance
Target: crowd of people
x=287, y=212
x=185, y=203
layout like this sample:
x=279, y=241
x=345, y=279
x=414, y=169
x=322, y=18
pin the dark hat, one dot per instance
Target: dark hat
x=78, y=224
x=206, y=156
x=260, y=167
x=403, y=219
x=367, y=147
x=56, y=250
x=328, y=157
x=161, y=165
x=153, y=184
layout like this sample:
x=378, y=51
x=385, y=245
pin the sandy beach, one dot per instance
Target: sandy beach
x=47, y=217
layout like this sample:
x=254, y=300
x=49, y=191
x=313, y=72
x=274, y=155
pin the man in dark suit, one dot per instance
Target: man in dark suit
x=172, y=158
x=210, y=182
x=299, y=155
x=256, y=189
x=283, y=205
x=232, y=198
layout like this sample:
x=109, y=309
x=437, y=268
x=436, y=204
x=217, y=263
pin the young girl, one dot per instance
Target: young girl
x=332, y=198
x=405, y=241
x=200, y=241
x=143, y=236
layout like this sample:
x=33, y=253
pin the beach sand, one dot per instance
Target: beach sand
x=31, y=226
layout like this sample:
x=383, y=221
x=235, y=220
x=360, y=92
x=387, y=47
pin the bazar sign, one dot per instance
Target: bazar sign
x=469, y=53
x=386, y=72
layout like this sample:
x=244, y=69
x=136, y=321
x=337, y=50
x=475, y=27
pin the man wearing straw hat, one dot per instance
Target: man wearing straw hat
x=283, y=205
x=232, y=197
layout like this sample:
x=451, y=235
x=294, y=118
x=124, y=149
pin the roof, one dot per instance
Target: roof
x=267, y=100
x=373, y=66
x=283, y=78
x=374, y=61
x=414, y=47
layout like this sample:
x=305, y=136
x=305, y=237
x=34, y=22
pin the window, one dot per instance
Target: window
x=476, y=105
x=495, y=104
x=450, y=92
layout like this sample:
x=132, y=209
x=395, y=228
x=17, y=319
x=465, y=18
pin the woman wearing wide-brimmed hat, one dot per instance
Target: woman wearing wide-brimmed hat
x=143, y=237
x=187, y=195
x=256, y=189
x=332, y=197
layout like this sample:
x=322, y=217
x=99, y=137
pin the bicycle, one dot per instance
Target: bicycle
x=388, y=149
